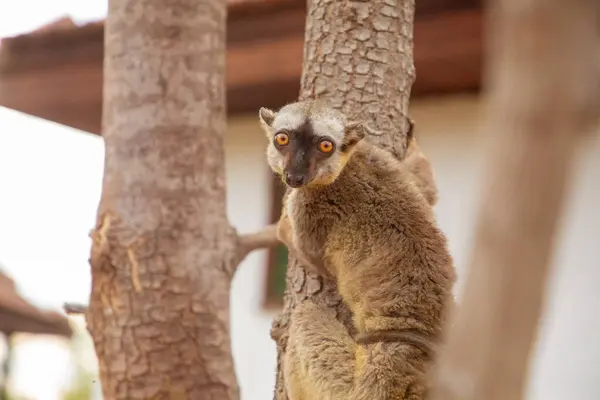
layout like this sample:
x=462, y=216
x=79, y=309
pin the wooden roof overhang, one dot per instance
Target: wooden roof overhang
x=57, y=74
x=18, y=315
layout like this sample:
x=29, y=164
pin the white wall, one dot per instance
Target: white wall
x=248, y=205
x=567, y=362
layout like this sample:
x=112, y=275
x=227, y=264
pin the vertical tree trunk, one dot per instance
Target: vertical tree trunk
x=544, y=92
x=162, y=247
x=358, y=55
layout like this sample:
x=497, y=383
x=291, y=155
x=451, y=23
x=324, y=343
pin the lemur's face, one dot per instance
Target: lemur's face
x=305, y=147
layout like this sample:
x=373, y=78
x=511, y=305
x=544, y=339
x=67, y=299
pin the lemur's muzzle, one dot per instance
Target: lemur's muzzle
x=295, y=180
x=296, y=173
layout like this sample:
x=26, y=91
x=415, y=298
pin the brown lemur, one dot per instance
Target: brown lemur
x=357, y=214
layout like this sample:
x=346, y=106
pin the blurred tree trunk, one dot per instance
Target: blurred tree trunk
x=163, y=251
x=359, y=56
x=543, y=72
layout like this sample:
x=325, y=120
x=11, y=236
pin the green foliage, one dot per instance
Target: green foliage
x=280, y=270
x=82, y=389
x=8, y=396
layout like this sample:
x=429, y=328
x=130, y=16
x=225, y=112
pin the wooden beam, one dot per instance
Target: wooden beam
x=58, y=76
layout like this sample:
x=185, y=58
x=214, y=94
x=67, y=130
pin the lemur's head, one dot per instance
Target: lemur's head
x=309, y=143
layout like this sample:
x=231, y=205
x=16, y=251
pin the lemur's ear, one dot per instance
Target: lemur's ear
x=410, y=133
x=266, y=116
x=354, y=132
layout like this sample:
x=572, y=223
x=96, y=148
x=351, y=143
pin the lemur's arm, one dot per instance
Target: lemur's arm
x=284, y=230
x=285, y=234
x=323, y=361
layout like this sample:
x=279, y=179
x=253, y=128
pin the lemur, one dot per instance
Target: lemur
x=355, y=213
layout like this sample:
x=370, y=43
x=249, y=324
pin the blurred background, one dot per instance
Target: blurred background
x=51, y=164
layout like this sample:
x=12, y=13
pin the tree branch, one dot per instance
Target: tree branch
x=265, y=238
x=247, y=243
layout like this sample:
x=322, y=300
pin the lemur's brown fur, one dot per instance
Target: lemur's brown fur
x=365, y=220
x=418, y=165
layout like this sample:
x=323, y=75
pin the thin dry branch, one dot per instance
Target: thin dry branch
x=544, y=93
x=74, y=308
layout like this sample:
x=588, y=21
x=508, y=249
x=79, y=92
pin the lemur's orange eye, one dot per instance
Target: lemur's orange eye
x=282, y=139
x=325, y=146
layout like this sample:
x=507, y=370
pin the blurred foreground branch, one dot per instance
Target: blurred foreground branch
x=543, y=72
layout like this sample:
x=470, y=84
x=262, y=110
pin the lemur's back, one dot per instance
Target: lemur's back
x=383, y=245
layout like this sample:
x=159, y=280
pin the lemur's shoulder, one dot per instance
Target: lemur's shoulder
x=378, y=167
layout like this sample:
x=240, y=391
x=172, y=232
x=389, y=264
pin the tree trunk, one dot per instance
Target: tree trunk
x=544, y=93
x=358, y=55
x=163, y=249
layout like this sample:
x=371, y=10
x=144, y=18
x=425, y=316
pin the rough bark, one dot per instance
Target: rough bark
x=163, y=251
x=543, y=83
x=358, y=55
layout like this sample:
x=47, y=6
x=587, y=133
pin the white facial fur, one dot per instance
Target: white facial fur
x=325, y=122
x=288, y=119
x=274, y=159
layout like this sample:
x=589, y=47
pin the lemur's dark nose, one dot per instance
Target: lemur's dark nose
x=295, y=180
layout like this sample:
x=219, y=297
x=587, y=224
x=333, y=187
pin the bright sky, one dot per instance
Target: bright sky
x=50, y=182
